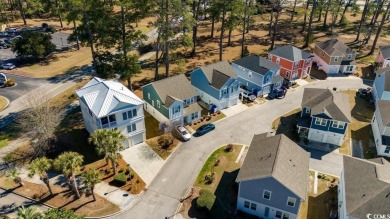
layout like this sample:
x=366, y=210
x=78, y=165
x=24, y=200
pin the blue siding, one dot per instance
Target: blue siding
x=250, y=86
x=199, y=80
x=379, y=86
x=337, y=130
x=328, y=126
x=253, y=190
x=154, y=96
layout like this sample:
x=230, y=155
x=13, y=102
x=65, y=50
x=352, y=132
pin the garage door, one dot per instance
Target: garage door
x=333, y=69
x=266, y=90
x=137, y=139
x=223, y=105
x=333, y=140
x=317, y=137
x=233, y=101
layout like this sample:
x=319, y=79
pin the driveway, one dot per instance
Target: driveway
x=24, y=85
x=179, y=172
x=10, y=202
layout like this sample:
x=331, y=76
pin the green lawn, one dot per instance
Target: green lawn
x=8, y=134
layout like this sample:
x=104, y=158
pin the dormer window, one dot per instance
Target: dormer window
x=296, y=64
x=336, y=58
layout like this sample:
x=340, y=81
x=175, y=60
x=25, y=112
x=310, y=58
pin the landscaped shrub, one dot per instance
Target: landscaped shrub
x=121, y=170
x=165, y=141
x=206, y=199
x=216, y=163
x=228, y=148
x=209, y=178
x=10, y=82
x=120, y=178
x=127, y=171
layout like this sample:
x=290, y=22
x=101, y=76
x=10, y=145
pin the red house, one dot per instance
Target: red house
x=294, y=62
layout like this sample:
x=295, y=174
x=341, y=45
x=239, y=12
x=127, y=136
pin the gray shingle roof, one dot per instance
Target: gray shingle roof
x=192, y=108
x=219, y=73
x=176, y=88
x=384, y=110
x=372, y=192
x=334, y=104
x=257, y=64
x=280, y=158
x=385, y=50
x=385, y=72
x=103, y=96
x=334, y=47
x=290, y=52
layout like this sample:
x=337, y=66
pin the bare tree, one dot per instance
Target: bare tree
x=384, y=17
x=40, y=119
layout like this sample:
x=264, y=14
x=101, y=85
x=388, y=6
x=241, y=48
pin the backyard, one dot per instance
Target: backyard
x=223, y=170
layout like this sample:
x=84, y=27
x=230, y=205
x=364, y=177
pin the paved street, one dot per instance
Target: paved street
x=179, y=172
x=10, y=202
x=24, y=85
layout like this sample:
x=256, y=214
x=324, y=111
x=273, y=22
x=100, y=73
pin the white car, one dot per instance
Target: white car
x=248, y=95
x=184, y=134
x=8, y=66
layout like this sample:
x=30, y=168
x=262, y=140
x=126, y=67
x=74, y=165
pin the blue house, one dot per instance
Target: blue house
x=381, y=87
x=172, y=100
x=257, y=74
x=325, y=116
x=216, y=85
x=272, y=181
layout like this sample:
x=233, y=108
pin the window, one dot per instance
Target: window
x=267, y=194
x=337, y=124
x=291, y=201
x=176, y=109
x=336, y=58
x=131, y=128
x=194, y=116
x=149, y=96
x=124, y=115
x=349, y=57
x=129, y=114
x=278, y=214
x=307, y=110
x=277, y=60
x=112, y=118
x=287, y=74
x=388, y=64
x=224, y=91
x=296, y=64
x=320, y=121
x=387, y=150
x=250, y=74
x=307, y=61
x=286, y=216
x=349, y=68
x=246, y=204
x=104, y=120
x=158, y=103
x=253, y=206
x=153, y=103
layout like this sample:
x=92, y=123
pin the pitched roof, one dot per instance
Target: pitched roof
x=384, y=110
x=334, y=47
x=385, y=72
x=218, y=73
x=290, y=53
x=192, y=108
x=385, y=50
x=103, y=96
x=277, y=157
x=372, y=193
x=257, y=64
x=334, y=104
x=176, y=88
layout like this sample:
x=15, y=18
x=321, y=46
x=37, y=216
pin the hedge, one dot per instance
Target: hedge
x=206, y=199
x=120, y=178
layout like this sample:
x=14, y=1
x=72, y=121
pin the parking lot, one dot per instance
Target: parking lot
x=60, y=39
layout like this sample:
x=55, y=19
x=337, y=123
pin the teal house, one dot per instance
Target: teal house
x=172, y=101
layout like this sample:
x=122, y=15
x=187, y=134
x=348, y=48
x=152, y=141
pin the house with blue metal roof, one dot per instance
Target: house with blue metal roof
x=107, y=104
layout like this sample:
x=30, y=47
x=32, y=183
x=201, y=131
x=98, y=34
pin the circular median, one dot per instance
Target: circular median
x=4, y=102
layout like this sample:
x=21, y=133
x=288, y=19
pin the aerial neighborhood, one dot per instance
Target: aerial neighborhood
x=203, y=109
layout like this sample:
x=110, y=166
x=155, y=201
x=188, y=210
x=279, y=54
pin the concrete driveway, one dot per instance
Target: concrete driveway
x=179, y=172
x=24, y=85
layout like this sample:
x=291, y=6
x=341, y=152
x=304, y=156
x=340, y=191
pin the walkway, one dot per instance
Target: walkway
x=144, y=161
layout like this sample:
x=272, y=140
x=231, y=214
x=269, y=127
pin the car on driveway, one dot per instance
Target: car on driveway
x=205, y=129
x=8, y=66
x=363, y=92
x=247, y=95
x=182, y=133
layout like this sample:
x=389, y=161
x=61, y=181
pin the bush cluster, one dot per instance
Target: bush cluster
x=120, y=178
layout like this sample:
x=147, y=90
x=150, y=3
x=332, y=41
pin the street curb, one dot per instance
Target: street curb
x=6, y=105
x=22, y=76
x=26, y=197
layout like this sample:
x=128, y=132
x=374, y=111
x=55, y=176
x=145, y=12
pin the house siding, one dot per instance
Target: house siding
x=378, y=88
x=253, y=190
x=149, y=89
x=288, y=66
x=200, y=81
x=328, y=126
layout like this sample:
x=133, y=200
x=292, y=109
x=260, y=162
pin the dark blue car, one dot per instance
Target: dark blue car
x=204, y=129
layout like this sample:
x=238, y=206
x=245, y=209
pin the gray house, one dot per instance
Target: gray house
x=257, y=74
x=273, y=178
x=364, y=188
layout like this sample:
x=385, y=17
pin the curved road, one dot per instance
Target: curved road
x=162, y=197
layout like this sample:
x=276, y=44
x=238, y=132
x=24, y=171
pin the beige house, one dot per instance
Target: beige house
x=333, y=57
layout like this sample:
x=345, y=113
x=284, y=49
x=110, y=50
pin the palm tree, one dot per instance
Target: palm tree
x=14, y=175
x=108, y=143
x=90, y=179
x=41, y=166
x=28, y=213
x=69, y=164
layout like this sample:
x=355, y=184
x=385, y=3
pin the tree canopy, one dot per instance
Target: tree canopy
x=34, y=45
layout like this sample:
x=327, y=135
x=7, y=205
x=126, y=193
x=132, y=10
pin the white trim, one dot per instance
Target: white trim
x=270, y=194
x=295, y=200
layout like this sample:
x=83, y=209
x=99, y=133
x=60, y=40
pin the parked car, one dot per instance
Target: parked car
x=363, y=92
x=182, y=133
x=247, y=95
x=3, y=34
x=278, y=93
x=205, y=129
x=8, y=66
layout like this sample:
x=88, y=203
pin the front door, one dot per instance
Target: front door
x=295, y=75
x=266, y=212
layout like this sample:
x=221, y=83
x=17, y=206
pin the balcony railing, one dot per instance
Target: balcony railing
x=108, y=125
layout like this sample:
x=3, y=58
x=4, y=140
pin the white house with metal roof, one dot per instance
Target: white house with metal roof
x=107, y=104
